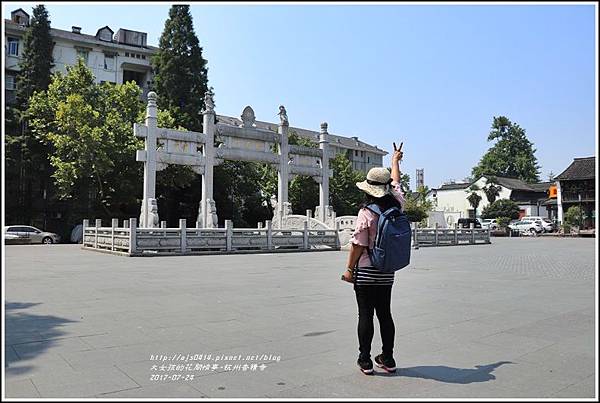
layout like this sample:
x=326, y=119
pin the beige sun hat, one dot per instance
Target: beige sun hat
x=377, y=183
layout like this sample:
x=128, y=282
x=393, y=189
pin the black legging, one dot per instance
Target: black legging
x=374, y=298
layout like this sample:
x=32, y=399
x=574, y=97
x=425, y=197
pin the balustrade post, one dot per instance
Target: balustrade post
x=132, y=236
x=305, y=236
x=269, y=235
x=183, y=234
x=228, y=234
x=98, y=225
x=114, y=224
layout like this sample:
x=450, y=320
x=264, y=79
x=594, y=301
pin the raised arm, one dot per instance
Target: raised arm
x=396, y=158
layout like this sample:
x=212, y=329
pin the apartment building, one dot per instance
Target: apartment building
x=113, y=57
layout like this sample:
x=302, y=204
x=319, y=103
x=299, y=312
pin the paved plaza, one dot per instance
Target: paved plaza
x=512, y=319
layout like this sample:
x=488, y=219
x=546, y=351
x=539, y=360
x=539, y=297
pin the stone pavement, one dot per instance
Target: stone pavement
x=512, y=319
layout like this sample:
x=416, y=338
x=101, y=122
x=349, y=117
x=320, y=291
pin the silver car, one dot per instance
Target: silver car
x=34, y=235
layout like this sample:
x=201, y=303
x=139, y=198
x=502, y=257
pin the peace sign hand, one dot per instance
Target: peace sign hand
x=397, y=156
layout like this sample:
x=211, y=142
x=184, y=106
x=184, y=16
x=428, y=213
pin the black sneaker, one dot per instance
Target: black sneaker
x=387, y=364
x=366, y=366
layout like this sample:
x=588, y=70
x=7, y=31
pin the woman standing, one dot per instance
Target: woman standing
x=373, y=288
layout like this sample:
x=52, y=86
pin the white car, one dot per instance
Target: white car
x=527, y=226
x=546, y=223
x=492, y=223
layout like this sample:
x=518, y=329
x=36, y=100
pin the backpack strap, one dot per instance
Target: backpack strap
x=374, y=208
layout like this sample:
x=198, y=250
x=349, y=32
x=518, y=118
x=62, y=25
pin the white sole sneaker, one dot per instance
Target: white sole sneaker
x=388, y=369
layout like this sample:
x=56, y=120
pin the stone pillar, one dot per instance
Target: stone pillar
x=132, y=236
x=114, y=224
x=283, y=171
x=183, y=235
x=150, y=163
x=269, y=235
x=86, y=223
x=208, y=127
x=559, y=205
x=324, y=185
x=229, y=235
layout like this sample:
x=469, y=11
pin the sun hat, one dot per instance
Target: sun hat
x=377, y=182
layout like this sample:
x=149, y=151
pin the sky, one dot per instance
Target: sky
x=428, y=75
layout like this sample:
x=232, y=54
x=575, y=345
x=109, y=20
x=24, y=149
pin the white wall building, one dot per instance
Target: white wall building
x=116, y=58
x=451, y=199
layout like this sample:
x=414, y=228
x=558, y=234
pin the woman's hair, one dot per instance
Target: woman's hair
x=384, y=203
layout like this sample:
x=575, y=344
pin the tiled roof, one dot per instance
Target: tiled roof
x=509, y=183
x=580, y=168
x=454, y=186
x=334, y=139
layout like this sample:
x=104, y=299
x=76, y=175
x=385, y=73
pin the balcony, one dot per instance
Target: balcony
x=586, y=196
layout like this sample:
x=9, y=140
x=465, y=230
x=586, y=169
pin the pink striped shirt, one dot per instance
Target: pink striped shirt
x=366, y=226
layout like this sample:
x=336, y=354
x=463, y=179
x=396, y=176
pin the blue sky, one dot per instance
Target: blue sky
x=432, y=76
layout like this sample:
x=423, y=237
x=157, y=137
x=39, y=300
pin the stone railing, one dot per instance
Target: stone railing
x=131, y=240
x=449, y=236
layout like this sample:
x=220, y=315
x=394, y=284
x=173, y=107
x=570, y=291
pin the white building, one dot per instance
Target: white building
x=451, y=199
x=363, y=156
x=116, y=58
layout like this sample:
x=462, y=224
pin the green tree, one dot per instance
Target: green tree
x=513, y=154
x=474, y=198
x=26, y=158
x=180, y=71
x=344, y=196
x=491, y=189
x=573, y=216
x=295, y=139
x=501, y=208
x=36, y=62
x=89, y=127
x=415, y=209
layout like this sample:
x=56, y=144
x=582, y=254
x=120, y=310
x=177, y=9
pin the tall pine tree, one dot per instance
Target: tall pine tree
x=37, y=61
x=26, y=156
x=180, y=81
x=180, y=72
x=513, y=155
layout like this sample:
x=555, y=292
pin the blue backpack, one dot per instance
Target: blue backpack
x=391, y=251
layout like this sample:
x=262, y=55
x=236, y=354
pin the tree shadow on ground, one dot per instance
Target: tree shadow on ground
x=442, y=373
x=28, y=335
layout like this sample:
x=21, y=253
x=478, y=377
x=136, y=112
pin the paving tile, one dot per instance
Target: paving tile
x=21, y=388
x=496, y=321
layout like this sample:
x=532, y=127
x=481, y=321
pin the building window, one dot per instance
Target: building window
x=13, y=46
x=11, y=82
x=84, y=54
x=356, y=153
x=109, y=62
x=127, y=54
x=369, y=159
x=144, y=57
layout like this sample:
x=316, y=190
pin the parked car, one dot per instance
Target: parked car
x=529, y=226
x=35, y=235
x=546, y=223
x=492, y=223
x=466, y=222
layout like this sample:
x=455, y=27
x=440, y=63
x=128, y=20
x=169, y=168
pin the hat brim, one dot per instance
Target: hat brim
x=373, y=190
